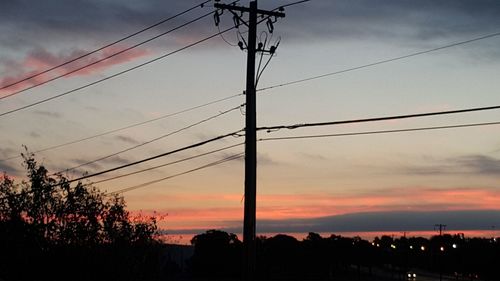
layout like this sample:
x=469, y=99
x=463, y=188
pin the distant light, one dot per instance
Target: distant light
x=393, y=246
x=442, y=249
x=378, y=245
x=422, y=248
x=454, y=246
x=411, y=247
x=373, y=243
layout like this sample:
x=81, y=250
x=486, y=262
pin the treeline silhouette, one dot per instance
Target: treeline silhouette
x=51, y=230
x=217, y=256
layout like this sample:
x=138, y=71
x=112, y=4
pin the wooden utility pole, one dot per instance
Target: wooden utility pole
x=249, y=216
x=441, y=227
x=249, y=220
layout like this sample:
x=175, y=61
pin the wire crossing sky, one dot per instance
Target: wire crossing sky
x=98, y=50
x=369, y=70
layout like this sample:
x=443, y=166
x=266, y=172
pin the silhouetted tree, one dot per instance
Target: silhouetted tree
x=281, y=258
x=45, y=222
x=217, y=255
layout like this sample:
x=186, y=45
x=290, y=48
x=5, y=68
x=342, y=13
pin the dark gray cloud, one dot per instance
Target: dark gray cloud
x=480, y=164
x=262, y=159
x=378, y=221
x=96, y=166
x=384, y=221
x=29, y=24
x=116, y=160
x=50, y=114
x=266, y=159
x=422, y=20
x=92, y=166
x=92, y=108
x=13, y=166
x=10, y=169
x=35, y=23
x=469, y=164
x=34, y=134
x=127, y=139
x=312, y=156
x=6, y=152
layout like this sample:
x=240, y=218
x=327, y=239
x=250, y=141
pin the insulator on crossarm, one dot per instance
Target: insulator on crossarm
x=217, y=18
x=270, y=25
x=236, y=21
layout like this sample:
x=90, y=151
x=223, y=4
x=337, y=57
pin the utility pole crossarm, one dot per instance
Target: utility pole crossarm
x=245, y=9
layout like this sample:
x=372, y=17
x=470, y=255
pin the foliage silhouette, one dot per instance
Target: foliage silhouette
x=217, y=256
x=51, y=230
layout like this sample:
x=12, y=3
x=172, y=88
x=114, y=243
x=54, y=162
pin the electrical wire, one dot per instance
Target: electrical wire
x=261, y=53
x=106, y=58
x=144, y=170
x=261, y=56
x=103, y=47
x=294, y=3
x=381, y=131
x=376, y=119
x=379, y=62
x=129, y=69
x=167, y=164
x=225, y=40
x=116, y=74
x=266, y=64
x=198, y=144
x=323, y=75
x=131, y=188
x=150, y=141
x=127, y=127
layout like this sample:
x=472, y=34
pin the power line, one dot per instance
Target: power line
x=116, y=74
x=236, y=133
x=381, y=131
x=265, y=88
x=261, y=139
x=103, y=47
x=230, y=158
x=380, y=62
x=375, y=119
x=167, y=164
x=151, y=141
x=227, y=159
x=275, y=86
x=127, y=127
x=292, y=4
x=105, y=58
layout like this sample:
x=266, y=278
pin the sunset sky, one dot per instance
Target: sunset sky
x=439, y=176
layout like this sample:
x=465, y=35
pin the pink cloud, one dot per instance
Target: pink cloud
x=41, y=59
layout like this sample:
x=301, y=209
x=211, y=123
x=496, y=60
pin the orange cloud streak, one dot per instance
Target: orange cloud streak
x=287, y=206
